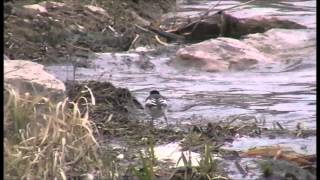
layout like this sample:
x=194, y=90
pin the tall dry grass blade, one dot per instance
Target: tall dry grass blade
x=58, y=109
x=11, y=95
x=76, y=112
x=53, y=139
x=46, y=134
x=55, y=161
x=93, y=99
x=63, y=108
x=62, y=173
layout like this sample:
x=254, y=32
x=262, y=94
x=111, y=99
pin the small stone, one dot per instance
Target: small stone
x=120, y=156
x=97, y=9
x=37, y=7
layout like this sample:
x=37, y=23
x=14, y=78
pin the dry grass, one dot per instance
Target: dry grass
x=46, y=140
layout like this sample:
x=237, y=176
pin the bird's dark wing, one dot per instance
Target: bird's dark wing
x=137, y=103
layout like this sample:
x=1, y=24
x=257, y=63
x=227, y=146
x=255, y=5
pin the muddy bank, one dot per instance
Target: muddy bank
x=50, y=32
x=122, y=124
x=118, y=114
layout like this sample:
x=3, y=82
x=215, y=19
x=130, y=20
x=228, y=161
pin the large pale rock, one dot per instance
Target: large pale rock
x=26, y=76
x=5, y=57
x=221, y=54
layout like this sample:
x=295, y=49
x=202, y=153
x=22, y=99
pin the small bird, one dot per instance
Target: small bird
x=156, y=106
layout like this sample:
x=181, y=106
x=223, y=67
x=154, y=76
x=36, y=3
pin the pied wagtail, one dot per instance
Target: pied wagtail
x=156, y=106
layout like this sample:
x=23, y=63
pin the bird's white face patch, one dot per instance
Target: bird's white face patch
x=163, y=101
x=151, y=102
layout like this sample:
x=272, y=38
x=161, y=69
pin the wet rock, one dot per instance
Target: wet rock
x=261, y=24
x=221, y=54
x=237, y=27
x=226, y=25
x=286, y=170
x=280, y=41
x=5, y=57
x=26, y=76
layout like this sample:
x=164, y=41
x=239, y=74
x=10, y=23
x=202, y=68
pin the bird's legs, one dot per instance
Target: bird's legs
x=151, y=123
x=165, y=118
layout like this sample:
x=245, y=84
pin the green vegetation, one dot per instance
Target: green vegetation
x=207, y=166
x=148, y=162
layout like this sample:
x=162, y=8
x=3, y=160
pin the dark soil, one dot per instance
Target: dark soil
x=118, y=114
x=73, y=30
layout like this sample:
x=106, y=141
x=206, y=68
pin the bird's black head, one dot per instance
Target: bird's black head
x=154, y=92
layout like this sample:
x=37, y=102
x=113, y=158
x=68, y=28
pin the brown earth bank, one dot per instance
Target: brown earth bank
x=51, y=32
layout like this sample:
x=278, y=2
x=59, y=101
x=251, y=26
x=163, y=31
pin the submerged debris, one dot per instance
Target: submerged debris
x=278, y=152
x=283, y=170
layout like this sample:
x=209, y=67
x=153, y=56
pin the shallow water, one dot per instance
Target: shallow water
x=280, y=92
x=283, y=92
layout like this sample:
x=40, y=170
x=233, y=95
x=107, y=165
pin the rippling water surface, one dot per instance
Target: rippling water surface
x=284, y=92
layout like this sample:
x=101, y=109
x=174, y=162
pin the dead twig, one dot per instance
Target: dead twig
x=101, y=75
x=210, y=9
x=241, y=169
x=79, y=47
x=134, y=41
x=204, y=15
x=279, y=125
x=241, y=127
x=232, y=120
x=241, y=4
x=168, y=35
x=143, y=29
x=159, y=41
